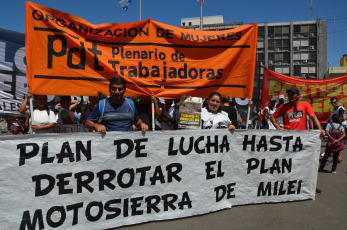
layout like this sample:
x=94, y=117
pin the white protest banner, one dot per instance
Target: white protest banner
x=90, y=181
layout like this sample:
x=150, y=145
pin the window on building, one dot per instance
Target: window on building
x=313, y=28
x=271, y=45
x=297, y=70
x=304, y=56
x=312, y=56
x=278, y=31
x=286, y=58
x=304, y=42
x=296, y=43
x=278, y=69
x=271, y=58
x=286, y=44
x=304, y=29
x=285, y=70
x=278, y=43
x=260, y=57
x=285, y=31
x=261, y=32
x=297, y=29
x=278, y=57
x=312, y=42
x=312, y=69
x=183, y=24
x=189, y=23
x=260, y=44
x=296, y=56
x=270, y=32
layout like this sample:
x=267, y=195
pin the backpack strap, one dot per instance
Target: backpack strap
x=131, y=104
x=102, y=104
x=332, y=125
x=101, y=109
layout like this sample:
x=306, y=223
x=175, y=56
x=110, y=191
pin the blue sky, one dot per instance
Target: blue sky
x=12, y=15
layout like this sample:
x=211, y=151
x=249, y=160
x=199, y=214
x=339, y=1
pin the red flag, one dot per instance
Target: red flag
x=201, y=1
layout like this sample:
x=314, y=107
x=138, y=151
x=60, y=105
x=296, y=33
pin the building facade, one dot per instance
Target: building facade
x=297, y=49
x=338, y=71
x=343, y=61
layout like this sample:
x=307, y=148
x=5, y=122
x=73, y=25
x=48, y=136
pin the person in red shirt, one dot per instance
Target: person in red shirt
x=294, y=113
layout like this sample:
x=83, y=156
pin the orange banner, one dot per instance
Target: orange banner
x=67, y=55
x=315, y=92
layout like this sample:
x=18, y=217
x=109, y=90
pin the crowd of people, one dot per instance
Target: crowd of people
x=118, y=113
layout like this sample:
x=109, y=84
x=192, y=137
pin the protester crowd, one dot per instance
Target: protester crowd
x=118, y=113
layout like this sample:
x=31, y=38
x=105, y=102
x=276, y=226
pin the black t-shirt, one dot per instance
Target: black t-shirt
x=144, y=113
x=232, y=114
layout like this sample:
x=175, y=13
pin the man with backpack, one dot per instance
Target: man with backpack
x=115, y=113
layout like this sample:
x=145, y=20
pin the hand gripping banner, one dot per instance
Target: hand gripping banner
x=315, y=92
x=67, y=55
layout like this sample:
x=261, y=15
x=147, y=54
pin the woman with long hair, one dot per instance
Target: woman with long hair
x=44, y=118
x=212, y=115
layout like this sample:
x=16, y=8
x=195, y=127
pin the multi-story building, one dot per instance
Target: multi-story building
x=297, y=49
x=339, y=71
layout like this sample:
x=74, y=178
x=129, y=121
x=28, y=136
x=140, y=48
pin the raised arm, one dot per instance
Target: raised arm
x=23, y=107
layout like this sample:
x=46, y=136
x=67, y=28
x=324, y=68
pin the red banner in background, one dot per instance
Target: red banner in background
x=315, y=92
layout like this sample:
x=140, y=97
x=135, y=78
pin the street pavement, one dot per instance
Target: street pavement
x=327, y=211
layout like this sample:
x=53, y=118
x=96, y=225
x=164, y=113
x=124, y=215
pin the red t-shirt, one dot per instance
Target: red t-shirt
x=291, y=118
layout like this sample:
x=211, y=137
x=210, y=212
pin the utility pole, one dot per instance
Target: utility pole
x=311, y=10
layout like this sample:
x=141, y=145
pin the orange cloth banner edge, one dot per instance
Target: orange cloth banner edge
x=67, y=55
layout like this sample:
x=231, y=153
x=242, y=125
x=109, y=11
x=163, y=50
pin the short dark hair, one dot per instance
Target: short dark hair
x=65, y=98
x=37, y=96
x=272, y=100
x=294, y=90
x=225, y=98
x=333, y=98
x=335, y=118
x=117, y=80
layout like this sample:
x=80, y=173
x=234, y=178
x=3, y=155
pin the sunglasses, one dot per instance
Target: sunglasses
x=334, y=102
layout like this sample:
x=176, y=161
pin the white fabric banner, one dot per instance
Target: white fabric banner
x=90, y=181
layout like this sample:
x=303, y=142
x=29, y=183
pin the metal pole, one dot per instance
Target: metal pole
x=32, y=115
x=200, y=15
x=248, y=113
x=140, y=10
x=259, y=94
x=153, y=122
